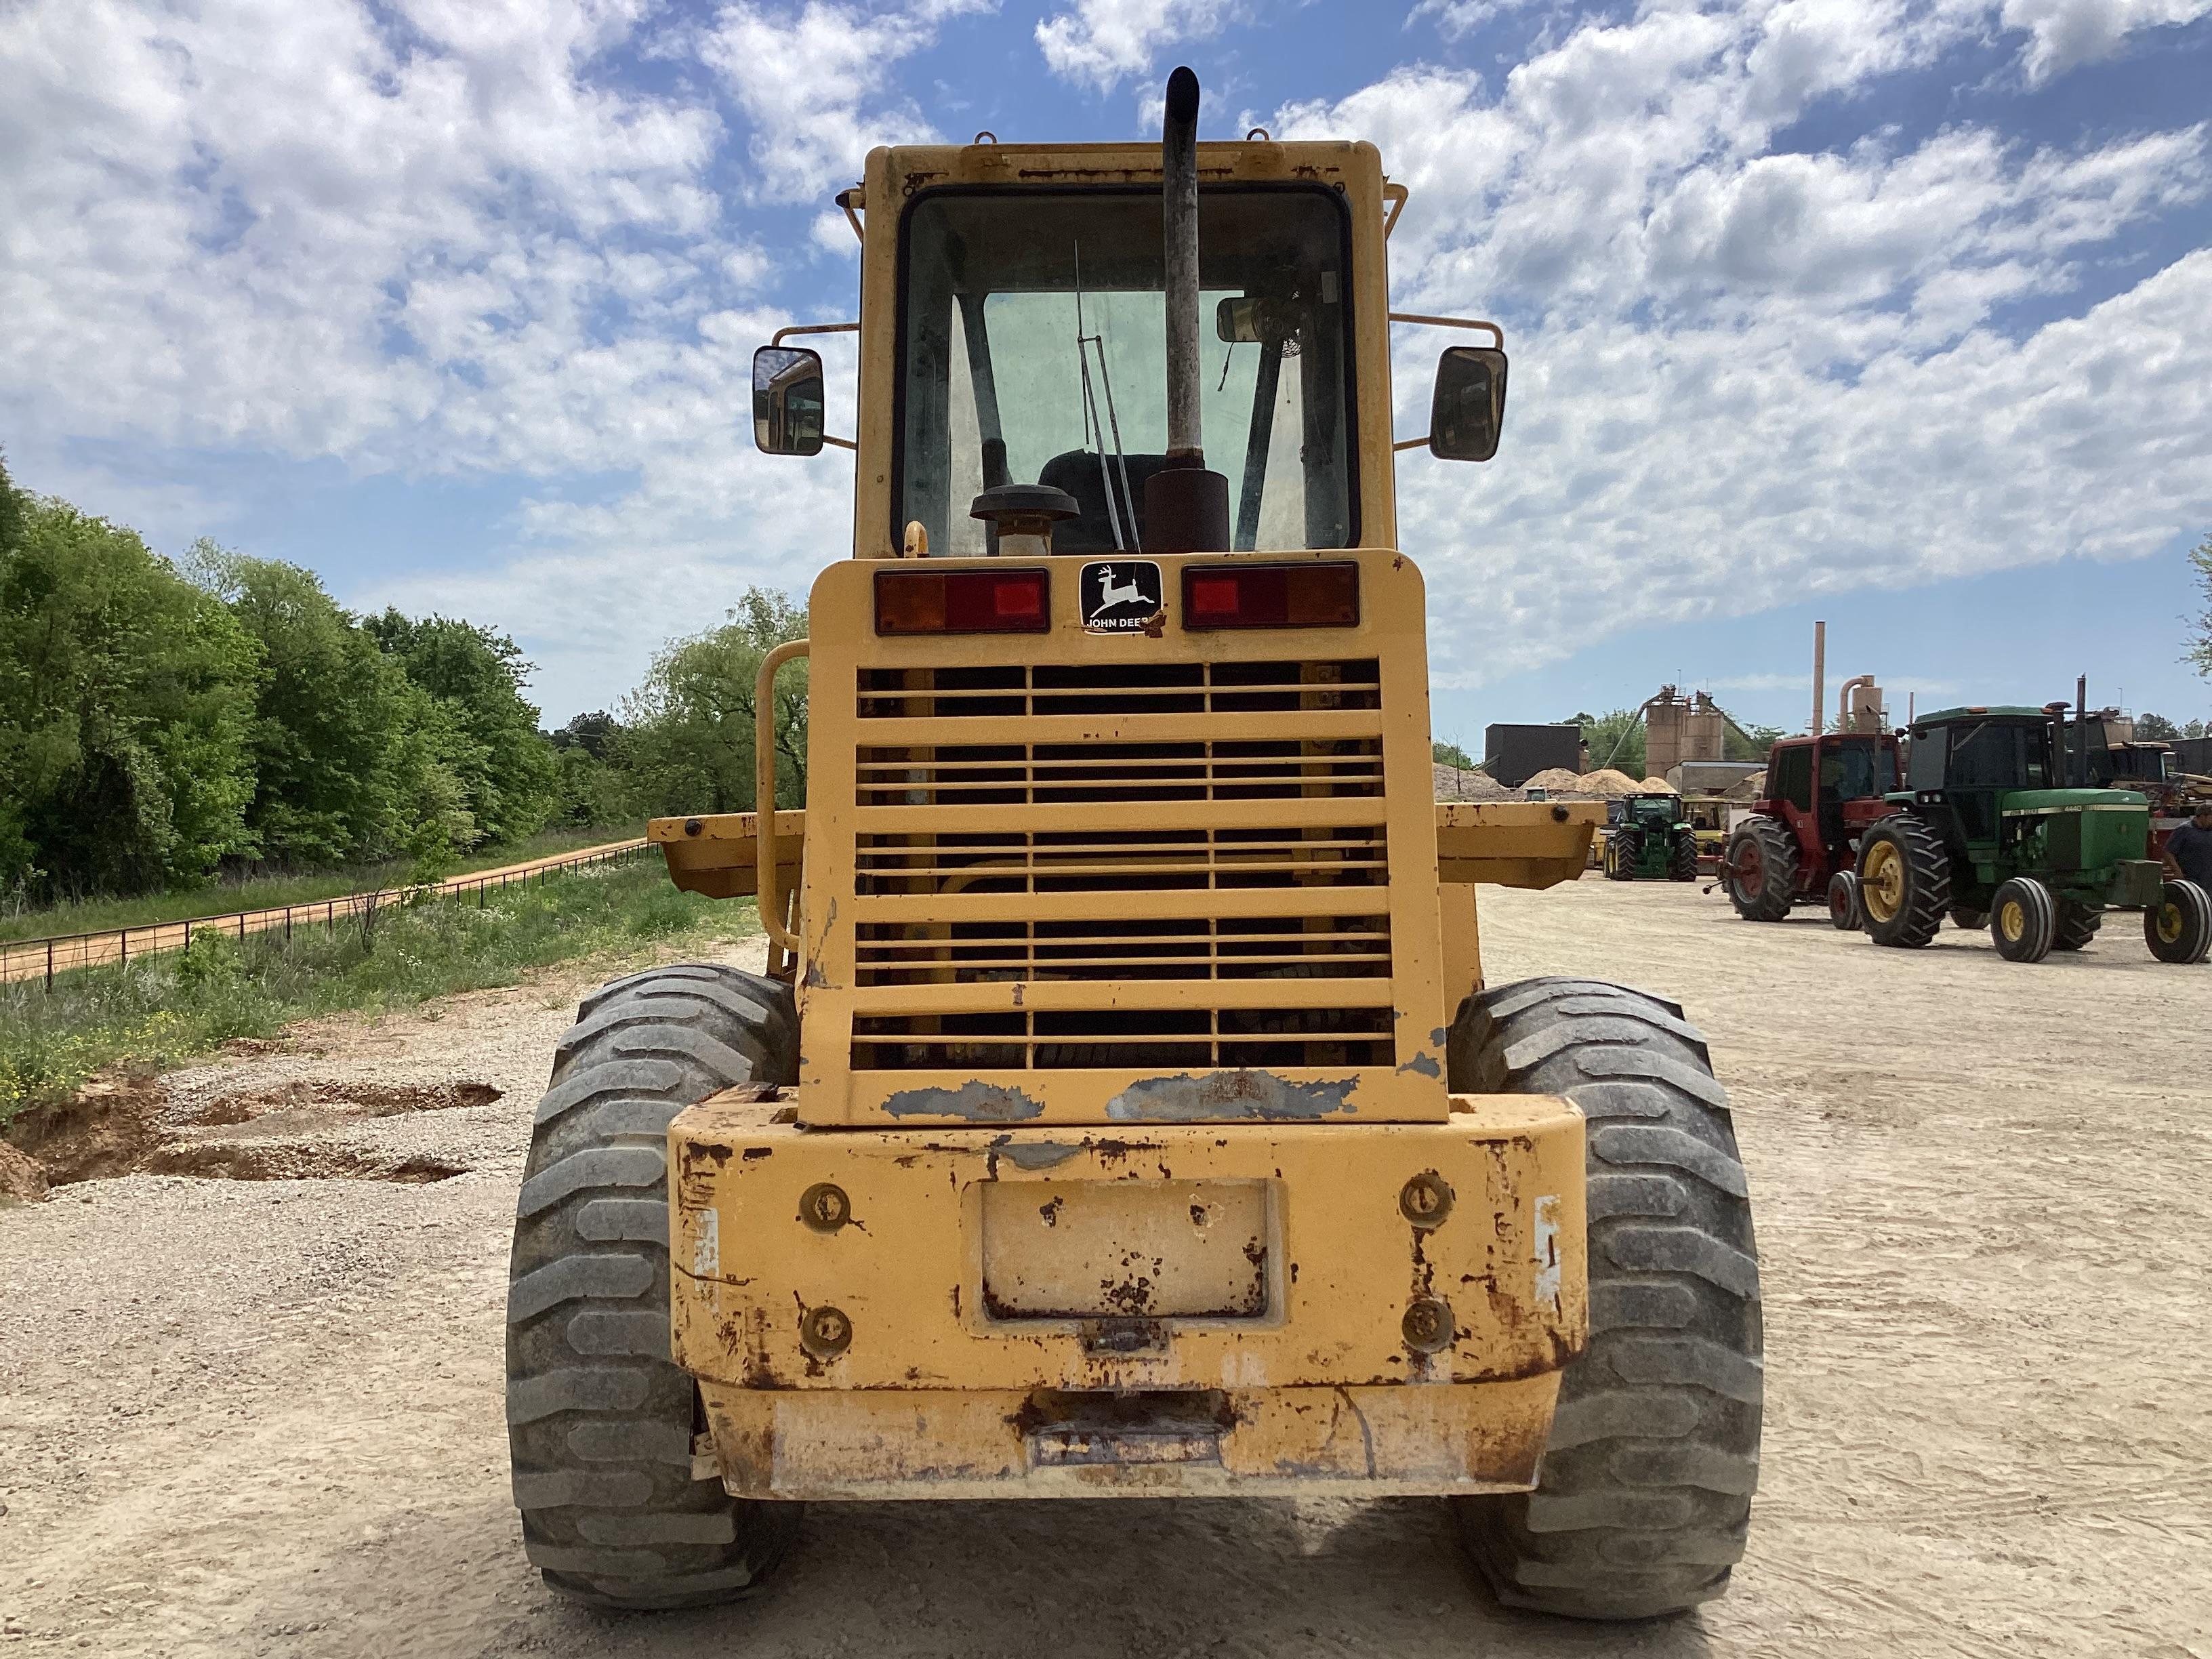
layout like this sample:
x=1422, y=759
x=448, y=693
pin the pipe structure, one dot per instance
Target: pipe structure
x=1179, y=223
x=1819, y=673
x=2081, y=727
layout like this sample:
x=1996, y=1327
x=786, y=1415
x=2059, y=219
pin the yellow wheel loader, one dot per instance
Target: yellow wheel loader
x=1122, y=1110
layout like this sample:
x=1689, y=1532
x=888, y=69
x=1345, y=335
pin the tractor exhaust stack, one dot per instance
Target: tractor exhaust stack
x=1186, y=506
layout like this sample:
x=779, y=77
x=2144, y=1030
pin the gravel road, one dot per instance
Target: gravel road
x=263, y=1416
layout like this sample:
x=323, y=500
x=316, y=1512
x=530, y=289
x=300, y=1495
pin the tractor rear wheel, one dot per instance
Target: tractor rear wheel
x=1624, y=851
x=1644, y=1490
x=2023, y=920
x=599, y=1419
x=1844, y=907
x=1905, y=882
x=2077, y=926
x=1760, y=870
x=2179, y=927
x=1682, y=865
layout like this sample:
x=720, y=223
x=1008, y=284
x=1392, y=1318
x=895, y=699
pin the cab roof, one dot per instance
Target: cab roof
x=1996, y=711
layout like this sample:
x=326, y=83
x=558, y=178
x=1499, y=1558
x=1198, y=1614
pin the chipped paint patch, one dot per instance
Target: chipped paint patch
x=1546, y=1241
x=1425, y=1064
x=706, y=1244
x=976, y=1103
x=1036, y=1154
x=1259, y=1096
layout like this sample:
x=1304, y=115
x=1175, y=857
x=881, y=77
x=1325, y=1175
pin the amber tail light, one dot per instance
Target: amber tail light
x=1321, y=595
x=962, y=602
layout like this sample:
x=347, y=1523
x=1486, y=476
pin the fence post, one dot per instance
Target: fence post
x=49, y=964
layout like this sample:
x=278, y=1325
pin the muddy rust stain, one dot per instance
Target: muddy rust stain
x=975, y=1102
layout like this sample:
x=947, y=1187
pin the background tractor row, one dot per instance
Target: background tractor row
x=1649, y=838
x=1986, y=831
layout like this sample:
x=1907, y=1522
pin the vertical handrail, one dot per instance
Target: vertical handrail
x=768, y=902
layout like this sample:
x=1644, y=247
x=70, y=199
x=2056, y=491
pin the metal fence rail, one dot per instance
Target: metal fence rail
x=116, y=947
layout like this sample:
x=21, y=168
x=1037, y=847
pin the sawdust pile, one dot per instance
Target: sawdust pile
x=1600, y=785
x=1462, y=783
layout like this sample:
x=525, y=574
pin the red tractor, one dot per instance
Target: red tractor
x=1799, y=845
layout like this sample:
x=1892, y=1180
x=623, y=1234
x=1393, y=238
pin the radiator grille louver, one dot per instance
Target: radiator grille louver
x=1289, y=919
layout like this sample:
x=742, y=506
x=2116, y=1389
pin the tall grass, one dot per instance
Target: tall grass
x=268, y=890
x=170, y=1007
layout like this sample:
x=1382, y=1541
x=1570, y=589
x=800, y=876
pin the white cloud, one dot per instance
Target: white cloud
x=1101, y=42
x=2065, y=34
x=1741, y=376
x=816, y=85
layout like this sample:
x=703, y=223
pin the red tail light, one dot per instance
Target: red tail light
x=1324, y=595
x=962, y=602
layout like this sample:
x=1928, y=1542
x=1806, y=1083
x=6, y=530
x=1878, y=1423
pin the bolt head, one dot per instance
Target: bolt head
x=825, y=1332
x=1428, y=1326
x=824, y=1207
x=1426, y=1199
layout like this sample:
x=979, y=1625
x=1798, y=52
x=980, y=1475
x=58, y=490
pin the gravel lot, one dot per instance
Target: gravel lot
x=263, y=1416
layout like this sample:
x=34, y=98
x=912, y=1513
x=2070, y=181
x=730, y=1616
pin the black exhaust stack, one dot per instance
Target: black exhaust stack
x=1186, y=506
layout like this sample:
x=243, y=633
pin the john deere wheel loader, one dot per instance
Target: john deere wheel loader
x=1123, y=1110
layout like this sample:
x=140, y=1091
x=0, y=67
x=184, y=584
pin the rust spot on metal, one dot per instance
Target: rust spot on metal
x=752, y=1152
x=1050, y=1212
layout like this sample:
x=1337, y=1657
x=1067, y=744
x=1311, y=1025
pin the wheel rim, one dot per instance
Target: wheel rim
x=2169, y=923
x=1750, y=871
x=2012, y=919
x=1881, y=882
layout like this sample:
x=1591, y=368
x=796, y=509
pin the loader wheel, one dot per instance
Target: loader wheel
x=1844, y=907
x=1905, y=882
x=2077, y=926
x=1761, y=870
x=1644, y=1490
x=1683, y=866
x=2023, y=920
x=1624, y=851
x=599, y=1421
x=2179, y=927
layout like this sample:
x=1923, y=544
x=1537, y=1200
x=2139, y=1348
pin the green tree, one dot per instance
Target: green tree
x=126, y=707
x=688, y=743
x=492, y=744
x=1748, y=742
x=1450, y=754
x=591, y=792
x=1615, y=739
x=328, y=721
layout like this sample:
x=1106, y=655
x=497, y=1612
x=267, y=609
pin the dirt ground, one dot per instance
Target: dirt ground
x=263, y=1416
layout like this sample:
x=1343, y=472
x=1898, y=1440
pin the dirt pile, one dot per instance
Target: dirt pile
x=1600, y=785
x=1462, y=783
x=127, y=1125
x=23, y=1177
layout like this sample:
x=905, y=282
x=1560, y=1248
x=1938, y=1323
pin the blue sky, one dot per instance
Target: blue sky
x=1887, y=312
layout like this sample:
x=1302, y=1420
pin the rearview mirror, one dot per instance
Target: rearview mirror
x=788, y=400
x=1236, y=321
x=1469, y=408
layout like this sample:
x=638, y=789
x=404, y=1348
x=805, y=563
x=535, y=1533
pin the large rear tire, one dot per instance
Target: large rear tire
x=1760, y=870
x=1623, y=851
x=1682, y=863
x=2077, y=926
x=1905, y=882
x=2179, y=927
x=600, y=1420
x=1643, y=1493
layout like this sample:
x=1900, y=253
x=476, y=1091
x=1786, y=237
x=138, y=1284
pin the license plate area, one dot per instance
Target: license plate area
x=1125, y=1252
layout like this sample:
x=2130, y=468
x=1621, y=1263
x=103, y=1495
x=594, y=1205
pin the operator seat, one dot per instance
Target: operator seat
x=1091, y=531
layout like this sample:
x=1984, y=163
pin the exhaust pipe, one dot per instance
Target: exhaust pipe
x=1186, y=506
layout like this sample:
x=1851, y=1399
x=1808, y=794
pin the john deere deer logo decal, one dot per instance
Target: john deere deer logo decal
x=1120, y=596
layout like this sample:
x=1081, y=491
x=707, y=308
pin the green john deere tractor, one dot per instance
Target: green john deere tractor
x=1988, y=833
x=1649, y=838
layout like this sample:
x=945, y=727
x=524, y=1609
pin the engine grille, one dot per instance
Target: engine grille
x=1285, y=912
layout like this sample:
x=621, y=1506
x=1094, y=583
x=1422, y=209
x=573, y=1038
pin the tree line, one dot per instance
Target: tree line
x=165, y=721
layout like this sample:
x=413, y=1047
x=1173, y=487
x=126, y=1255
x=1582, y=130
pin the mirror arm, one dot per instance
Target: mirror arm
x=1396, y=195
x=842, y=443
x=1497, y=334
x=849, y=199
x=1413, y=443
x=783, y=334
